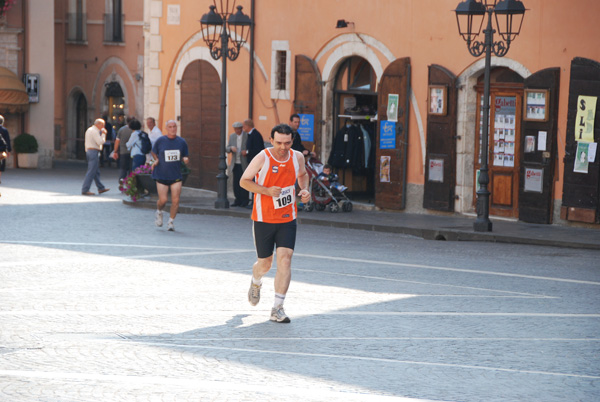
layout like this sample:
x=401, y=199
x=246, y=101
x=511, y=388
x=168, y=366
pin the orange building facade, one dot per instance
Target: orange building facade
x=345, y=78
x=99, y=68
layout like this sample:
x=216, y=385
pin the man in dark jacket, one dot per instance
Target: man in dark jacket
x=4, y=144
x=297, y=144
x=254, y=144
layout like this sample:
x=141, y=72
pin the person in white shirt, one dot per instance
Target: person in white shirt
x=153, y=131
x=154, y=134
x=237, y=148
x=95, y=136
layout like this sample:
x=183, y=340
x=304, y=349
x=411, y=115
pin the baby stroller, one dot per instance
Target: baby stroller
x=323, y=193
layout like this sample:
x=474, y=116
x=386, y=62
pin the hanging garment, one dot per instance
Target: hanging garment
x=367, y=143
x=357, y=158
x=337, y=157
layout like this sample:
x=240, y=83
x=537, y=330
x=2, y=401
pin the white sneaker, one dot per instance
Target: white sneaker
x=278, y=315
x=159, y=218
x=254, y=293
x=170, y=226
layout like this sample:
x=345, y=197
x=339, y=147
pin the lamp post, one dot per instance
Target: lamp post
x=469, y=17
x=224, y=22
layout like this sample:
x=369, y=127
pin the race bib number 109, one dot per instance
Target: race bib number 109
x=286, y=197
x=172, y=155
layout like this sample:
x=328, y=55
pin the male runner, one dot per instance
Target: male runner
x=274, y=213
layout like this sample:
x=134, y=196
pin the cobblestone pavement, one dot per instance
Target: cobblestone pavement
x=96, y=304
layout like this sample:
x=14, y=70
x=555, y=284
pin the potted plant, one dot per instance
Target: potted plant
x=26, y=147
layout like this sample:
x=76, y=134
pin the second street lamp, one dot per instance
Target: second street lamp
x=469, y=17
x=219, y=24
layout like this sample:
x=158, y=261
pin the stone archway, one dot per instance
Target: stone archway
x=466, y=123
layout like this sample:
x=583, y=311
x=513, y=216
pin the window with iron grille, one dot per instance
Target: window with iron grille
x=280, y=69
x=281, y=60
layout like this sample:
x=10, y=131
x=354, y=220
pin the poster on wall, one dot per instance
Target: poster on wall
x=535, y=105
x=437, y=100
x=529, y=144
x=307, y=127
x=436, y=170
x=581, y=158
x=387, y=135
x=504, y=131
x=392, y=109
x=584, y=121
x=534, y=180
x=384, y=169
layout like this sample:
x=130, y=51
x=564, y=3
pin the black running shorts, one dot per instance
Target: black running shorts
x=168, y=182
x=270, y=235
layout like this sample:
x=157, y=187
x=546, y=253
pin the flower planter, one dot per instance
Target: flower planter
x=28, y=161
x=145, y=181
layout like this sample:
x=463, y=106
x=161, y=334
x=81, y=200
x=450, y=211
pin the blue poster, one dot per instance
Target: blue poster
x=307, y=127
x=387, y=135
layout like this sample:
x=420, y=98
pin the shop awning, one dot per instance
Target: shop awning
x=13, y=95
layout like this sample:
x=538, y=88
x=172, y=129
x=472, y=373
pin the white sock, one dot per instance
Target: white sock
x=256, y=281
x=171, y=220
x=279, y=298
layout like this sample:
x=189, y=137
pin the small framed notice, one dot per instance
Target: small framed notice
x=436, y=170
x=534, y=179
x=437, y=100
x=535, y=105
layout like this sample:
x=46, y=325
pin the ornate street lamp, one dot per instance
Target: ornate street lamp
x=232, y=29
x=469, y=17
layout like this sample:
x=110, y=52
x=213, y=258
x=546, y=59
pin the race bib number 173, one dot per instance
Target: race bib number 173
x=172, y=155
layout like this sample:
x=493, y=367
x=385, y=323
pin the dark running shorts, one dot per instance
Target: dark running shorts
x=167, y=182
x=269, y=235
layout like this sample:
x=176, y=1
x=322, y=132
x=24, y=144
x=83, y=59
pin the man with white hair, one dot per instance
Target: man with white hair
x=168, y=152
x=95, y=136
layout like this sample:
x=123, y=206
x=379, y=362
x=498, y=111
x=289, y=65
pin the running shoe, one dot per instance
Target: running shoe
x=159, y=218
x=254, y=293
x=278, y=315
x=171, y=226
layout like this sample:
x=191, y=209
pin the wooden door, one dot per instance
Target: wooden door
x=307, y=96
x=503, y=153
x=390, y=192
x=581, y=190
x=538, y=151
x=441, y=145
x=200, y=122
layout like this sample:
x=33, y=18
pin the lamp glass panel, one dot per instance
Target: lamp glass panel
x=509, y=25
x=469, y=25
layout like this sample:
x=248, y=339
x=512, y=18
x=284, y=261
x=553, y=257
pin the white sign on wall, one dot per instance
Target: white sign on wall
x=173, y=14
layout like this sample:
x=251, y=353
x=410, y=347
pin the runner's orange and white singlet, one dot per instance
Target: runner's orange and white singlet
x=282, y=174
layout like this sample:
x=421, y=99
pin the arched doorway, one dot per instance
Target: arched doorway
x=81, y=122
x=354, y=110
x=200, y=122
